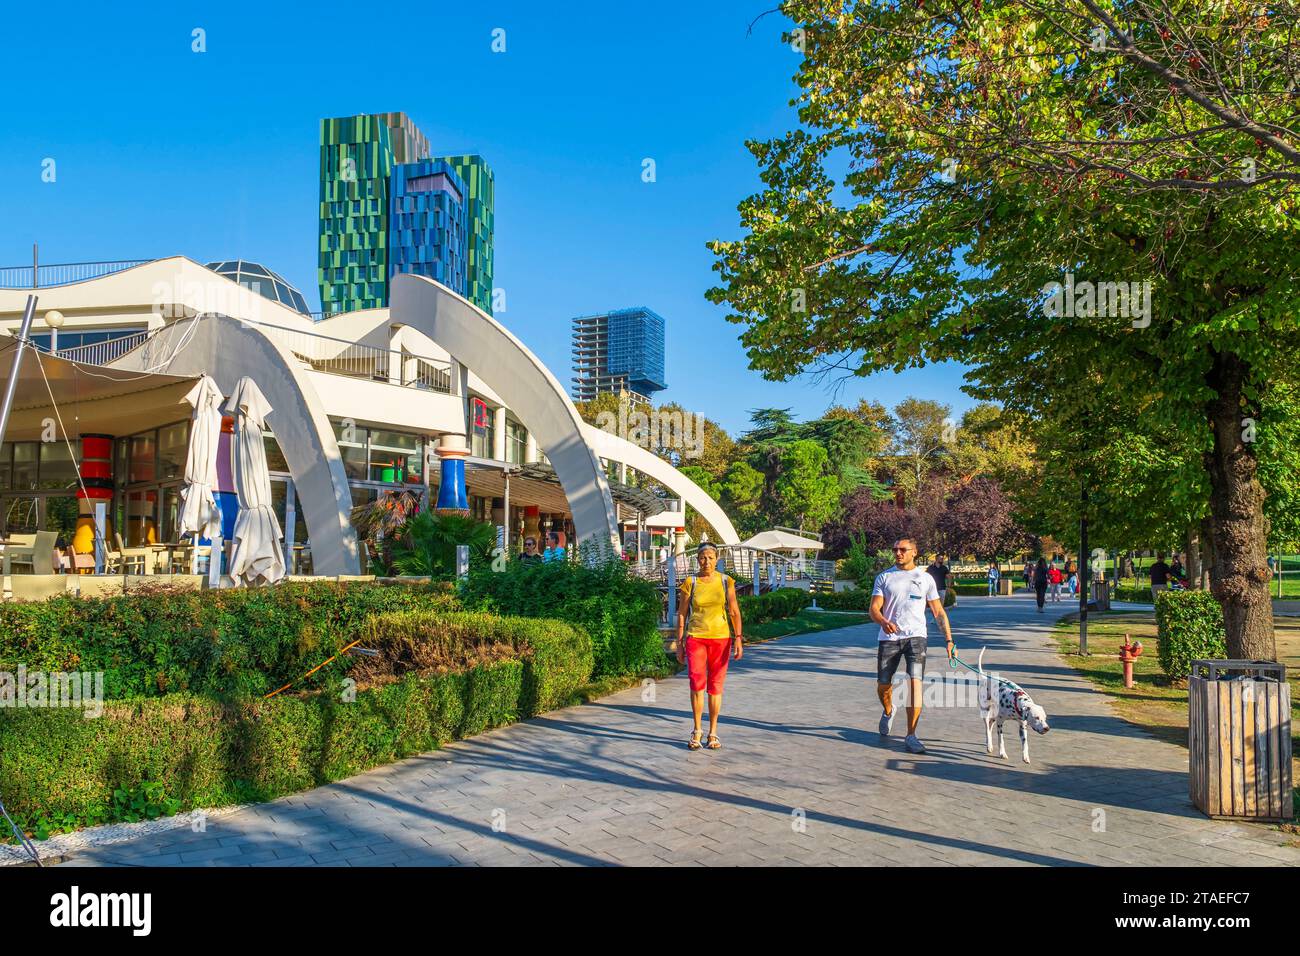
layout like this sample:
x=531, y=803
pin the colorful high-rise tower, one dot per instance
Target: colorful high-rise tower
x=386, y=208
x=357, y=156
x=426, y=222
x=480, y=197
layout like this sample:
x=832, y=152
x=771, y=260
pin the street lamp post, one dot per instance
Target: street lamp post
x=54, y=321
x=1084, y=574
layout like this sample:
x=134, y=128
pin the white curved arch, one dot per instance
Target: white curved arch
x=611, y=446
x=478, y=341
x=302, y=429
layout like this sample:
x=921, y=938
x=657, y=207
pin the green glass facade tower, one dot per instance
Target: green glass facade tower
x=357, y=156
x=480, y=199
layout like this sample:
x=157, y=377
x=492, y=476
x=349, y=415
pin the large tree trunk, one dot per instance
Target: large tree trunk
x=1192, y=546
x=1240, y=531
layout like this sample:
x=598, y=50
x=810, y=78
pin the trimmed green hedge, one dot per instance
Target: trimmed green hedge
x=620, y=612
x=227, y=643
x=1129, y=592
x=858, y=600
x=772, y=606
x=559, y=655
x=1190, y=626
x=63, y=770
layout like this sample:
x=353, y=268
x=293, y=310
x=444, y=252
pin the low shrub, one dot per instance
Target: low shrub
x=1129, y=592
x=180, y=751
x=773, y=606
x=227, y=643
x=859, y=600
x=1190, y=627
x=620, y=612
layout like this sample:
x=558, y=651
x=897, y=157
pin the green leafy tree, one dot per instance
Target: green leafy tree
x=923, y=439
x=805, y=496
x=975, y=181
x=989, y=442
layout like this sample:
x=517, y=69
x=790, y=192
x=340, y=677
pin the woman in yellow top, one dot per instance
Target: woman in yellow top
x=704, y=603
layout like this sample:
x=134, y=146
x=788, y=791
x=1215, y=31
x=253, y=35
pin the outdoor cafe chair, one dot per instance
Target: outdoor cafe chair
x=18, y=550
x=80, y=563
x=39, y=557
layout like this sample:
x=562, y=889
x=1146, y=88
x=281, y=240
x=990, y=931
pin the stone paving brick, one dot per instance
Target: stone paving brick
x=612, y=783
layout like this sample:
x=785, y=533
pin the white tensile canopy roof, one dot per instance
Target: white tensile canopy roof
x=782, y=541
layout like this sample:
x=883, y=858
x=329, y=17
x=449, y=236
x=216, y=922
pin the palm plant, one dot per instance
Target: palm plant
x=382, y=521
x=428, y=543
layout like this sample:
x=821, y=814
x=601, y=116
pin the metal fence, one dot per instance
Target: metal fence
x=736, y=559
x=62, y=273
x=341, y=357
x=102, y=353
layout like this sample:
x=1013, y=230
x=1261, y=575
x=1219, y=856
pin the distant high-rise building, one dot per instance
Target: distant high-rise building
x=618, y=351
x=387, y=207
x=480, y=198
x=426, y=222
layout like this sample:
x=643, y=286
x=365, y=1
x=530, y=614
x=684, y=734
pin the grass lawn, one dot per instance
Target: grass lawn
x=1157, y=704
x=805, y=622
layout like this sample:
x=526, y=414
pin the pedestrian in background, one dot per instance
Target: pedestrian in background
x=1054, y=579
x=1040, y=583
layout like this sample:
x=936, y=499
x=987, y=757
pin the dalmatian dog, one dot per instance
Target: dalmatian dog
x=1000, y=702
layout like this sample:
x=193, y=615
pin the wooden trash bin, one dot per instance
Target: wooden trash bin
x=1006, y=585
x=1239, y=739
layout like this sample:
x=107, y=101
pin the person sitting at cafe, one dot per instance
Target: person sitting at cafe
x=530, y=555
x=554, y=547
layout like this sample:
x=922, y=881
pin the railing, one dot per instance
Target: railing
x=102, y=353
x=341, y=357
x=62, y=273
x=736, y=559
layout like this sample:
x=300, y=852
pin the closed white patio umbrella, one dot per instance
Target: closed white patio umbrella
x=258, y=554
x=199, y=515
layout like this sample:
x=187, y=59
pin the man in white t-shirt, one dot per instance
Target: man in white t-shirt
x=898, y=602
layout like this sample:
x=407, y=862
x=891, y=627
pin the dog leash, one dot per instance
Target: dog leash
x=954, y=660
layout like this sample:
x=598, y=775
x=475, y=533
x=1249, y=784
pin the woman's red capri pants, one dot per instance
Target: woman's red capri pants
x=706, y=662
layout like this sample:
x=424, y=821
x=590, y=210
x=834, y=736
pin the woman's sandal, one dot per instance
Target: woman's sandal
x=694, y=742
x=714, y=742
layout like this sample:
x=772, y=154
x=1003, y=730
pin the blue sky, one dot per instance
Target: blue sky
x=163, y=151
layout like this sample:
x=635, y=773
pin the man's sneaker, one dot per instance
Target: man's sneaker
x=886, y=724
x=914, y=745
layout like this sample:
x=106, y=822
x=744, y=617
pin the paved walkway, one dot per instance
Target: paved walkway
x=803, y=779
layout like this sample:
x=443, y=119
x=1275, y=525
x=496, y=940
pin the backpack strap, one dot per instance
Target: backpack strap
x=690, y=605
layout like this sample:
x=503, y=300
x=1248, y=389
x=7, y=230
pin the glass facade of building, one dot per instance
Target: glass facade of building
x=426, y=223
x=388, y=207
x=480, y=205
x=618, y=350
x=357, y=156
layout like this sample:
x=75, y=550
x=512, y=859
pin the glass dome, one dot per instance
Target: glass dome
x=263, y=281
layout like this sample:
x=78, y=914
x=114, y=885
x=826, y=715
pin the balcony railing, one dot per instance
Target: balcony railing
x=102, y=353
x=341, y=357
x=62, y=273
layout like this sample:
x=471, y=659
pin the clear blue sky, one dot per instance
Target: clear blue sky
x=163, y=151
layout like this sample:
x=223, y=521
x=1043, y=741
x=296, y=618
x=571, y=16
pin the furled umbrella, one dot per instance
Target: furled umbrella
x=199, y=513
x=258, y=554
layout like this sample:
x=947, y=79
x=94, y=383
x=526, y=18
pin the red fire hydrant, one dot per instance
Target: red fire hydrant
x=1128, y=653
